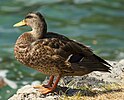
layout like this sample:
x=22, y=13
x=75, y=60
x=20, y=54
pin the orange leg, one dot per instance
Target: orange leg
x=50, y=82
x=44, y=89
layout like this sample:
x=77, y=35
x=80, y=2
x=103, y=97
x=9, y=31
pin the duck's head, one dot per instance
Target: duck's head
x=34, y=20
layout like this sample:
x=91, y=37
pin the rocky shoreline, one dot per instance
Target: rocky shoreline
x=94, y=80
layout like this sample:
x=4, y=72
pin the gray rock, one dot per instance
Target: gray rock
x=29, y=93
x=93, y=79
x=96, y=77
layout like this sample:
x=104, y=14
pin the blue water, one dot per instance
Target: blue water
x=96, y=23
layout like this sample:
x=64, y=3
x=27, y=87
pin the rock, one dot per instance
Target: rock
x=29, y=93
x=96, y=77
x=93, y=79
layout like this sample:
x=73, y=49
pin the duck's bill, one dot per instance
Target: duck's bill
x=21, y=23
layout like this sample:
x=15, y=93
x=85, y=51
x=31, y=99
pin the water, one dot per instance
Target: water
x=96, y=23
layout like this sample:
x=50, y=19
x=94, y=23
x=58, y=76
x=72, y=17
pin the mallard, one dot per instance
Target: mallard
x=54, y=54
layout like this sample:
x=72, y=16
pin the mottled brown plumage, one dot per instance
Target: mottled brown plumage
x=54, y=54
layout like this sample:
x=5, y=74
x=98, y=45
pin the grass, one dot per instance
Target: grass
x=106, y=92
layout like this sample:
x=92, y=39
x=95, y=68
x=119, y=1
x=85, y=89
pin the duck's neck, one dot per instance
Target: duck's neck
x=39, y=30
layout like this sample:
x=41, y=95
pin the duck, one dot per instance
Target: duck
x=53, y=54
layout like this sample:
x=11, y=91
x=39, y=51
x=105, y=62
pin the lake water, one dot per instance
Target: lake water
x=96, y=23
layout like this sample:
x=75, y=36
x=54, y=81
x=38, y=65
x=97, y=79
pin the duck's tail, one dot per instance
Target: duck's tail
x=95, y=63
x=105, y=65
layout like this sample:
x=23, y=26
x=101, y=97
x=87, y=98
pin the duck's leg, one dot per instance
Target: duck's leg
x=50, y=82
x=46, y=89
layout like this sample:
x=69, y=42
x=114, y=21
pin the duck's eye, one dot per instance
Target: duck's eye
x=28, y=17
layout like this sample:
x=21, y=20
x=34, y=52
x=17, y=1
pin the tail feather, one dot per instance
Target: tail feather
x=101, y=60
x=95, y=63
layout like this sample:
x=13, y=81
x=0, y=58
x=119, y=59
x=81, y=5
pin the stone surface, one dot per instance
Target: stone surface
x=93, y=79
x=29, y=93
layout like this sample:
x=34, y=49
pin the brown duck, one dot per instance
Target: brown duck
x=54, y=54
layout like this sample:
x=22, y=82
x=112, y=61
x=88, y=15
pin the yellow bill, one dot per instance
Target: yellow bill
x=21, y=23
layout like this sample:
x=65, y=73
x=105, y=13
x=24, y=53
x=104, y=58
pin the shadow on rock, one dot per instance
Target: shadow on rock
x=71, y=92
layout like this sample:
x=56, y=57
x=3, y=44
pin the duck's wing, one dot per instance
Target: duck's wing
x=75, y=52
x=63, y=45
